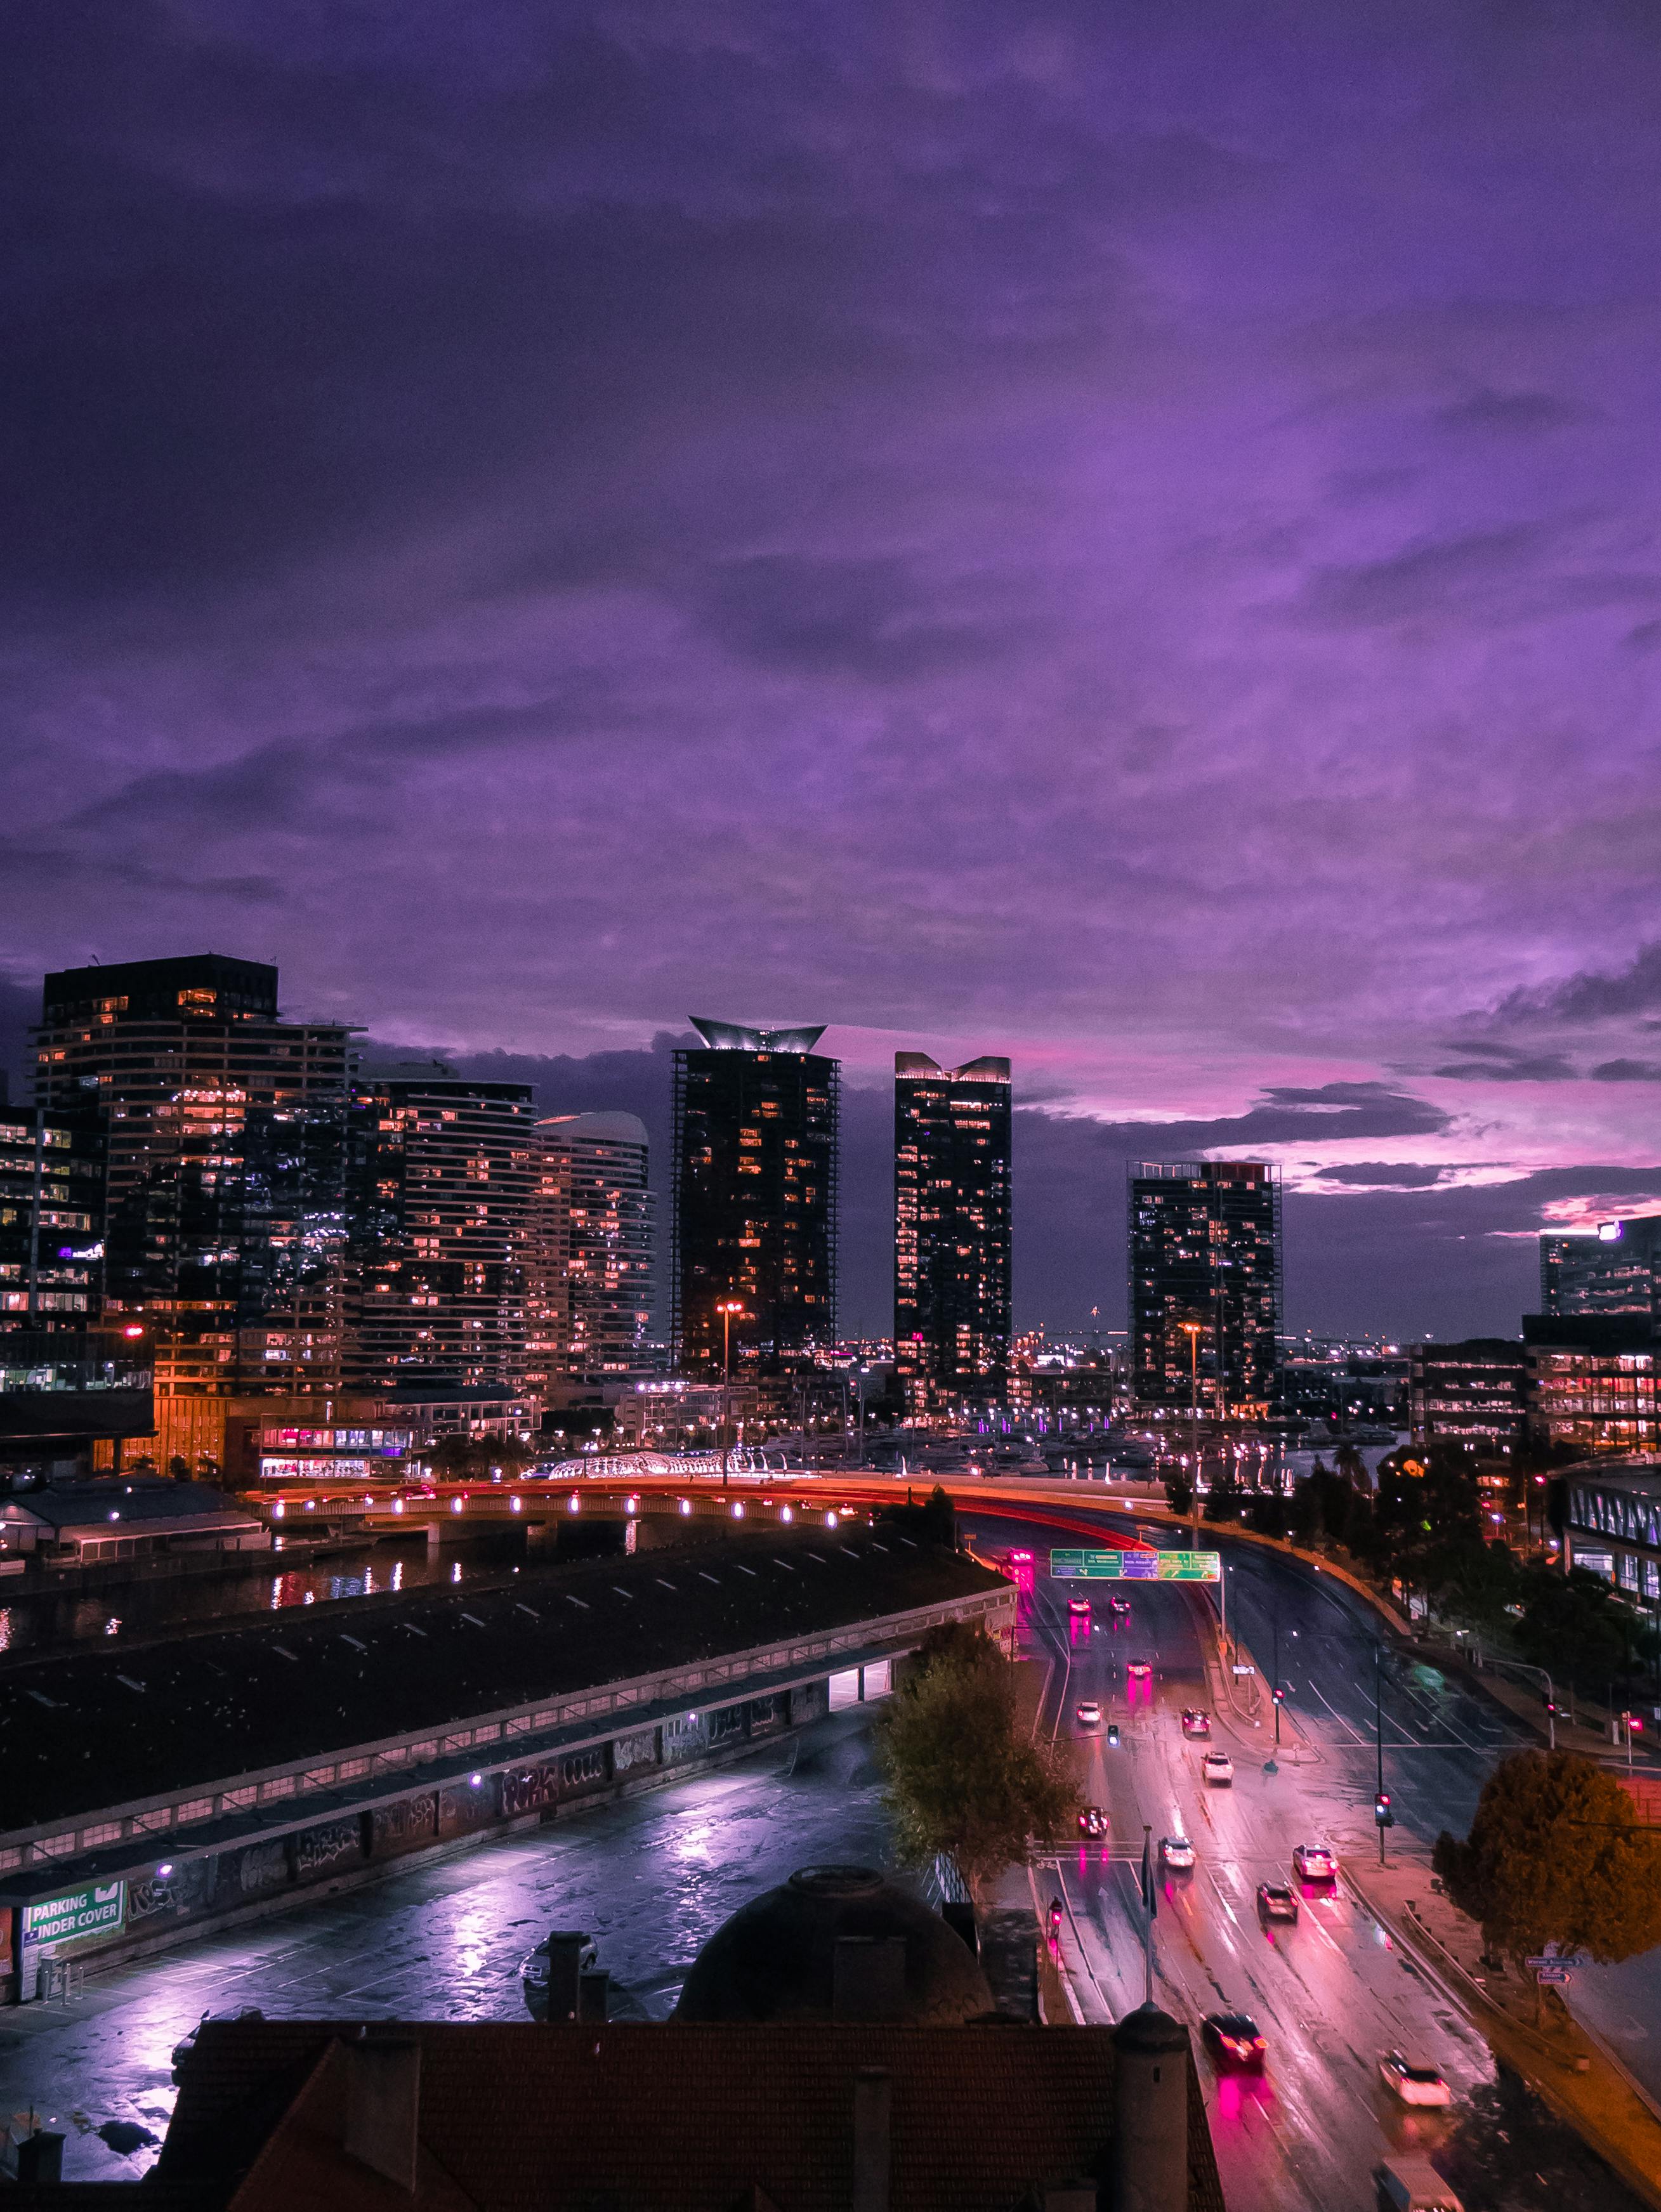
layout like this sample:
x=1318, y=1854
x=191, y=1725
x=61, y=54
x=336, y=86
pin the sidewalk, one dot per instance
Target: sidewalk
x=1576, y=2075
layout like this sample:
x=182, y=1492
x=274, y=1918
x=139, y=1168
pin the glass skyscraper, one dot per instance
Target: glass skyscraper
x=1205, y=1282
x=756, y=1131
x=952, y=1230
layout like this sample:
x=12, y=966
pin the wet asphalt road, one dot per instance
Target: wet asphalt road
x=1331, y=1993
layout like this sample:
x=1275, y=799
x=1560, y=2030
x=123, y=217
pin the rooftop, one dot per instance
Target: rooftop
x=703, y=2118
x=90, y=1728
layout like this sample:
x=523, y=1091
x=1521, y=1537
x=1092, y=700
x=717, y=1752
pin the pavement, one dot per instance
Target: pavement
x=1333, y=1992
x=651, y=1879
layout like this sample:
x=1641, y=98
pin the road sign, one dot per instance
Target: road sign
x=1553, y=1971
x=76, y=1915
x=1120, y=1566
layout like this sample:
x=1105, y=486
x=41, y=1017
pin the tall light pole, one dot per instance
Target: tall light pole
x=726, y=1308
x=1191, y=1330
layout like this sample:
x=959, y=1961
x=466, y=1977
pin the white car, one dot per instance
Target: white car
x=1217, y=1766
x=1087, y=1713
x=1178, y=1853
x=1412, y=2083
x=1314, y=1863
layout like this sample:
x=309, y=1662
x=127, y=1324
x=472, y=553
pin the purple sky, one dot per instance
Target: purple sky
x=1123, y=536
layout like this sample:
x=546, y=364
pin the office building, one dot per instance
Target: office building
x=1613, y=1268
x=756, y=1127
x=52, y=1218
x=589, y=1286
x=952, y=1231
x=68, y=1397
x=441, y=1193
x=225, y=1228
x=1592, y=1381
x=1205, y=1283
x=1473, y=1393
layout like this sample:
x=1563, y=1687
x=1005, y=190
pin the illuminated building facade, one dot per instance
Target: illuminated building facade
x=590, y=1279
x=1205, y=1255
x=952, y=1231
x=1474, y=1392
x=756, y=1130
x=51, y=1218
x=225, y=1204
x=441, y=1192
x=1614, y=1268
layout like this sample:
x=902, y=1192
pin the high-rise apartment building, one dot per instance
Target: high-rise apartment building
x=52, y=1218
x=756, y=1129
x=442, y=1194
x=589, y=1302
x=1614, y=1268
x=1205, y=1282
x=225, y=1217
x=952, y=1230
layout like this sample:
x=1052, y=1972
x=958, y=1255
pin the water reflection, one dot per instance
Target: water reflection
x=136, y=1608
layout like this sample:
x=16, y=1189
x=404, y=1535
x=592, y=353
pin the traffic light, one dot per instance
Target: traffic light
x=1280, y=1696
x=1381, y=1812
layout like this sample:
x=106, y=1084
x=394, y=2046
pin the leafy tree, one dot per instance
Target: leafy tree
x=1179, y=1491
x=1556, y=1854
x=1223, y=1498
x=962, y=1778
x=1304, y=1517
x=1475, y=1580
x=1574, y=1626
x=453, y=1457
x=1267, y=1514
x=1347, y=1462
x=933, y=1522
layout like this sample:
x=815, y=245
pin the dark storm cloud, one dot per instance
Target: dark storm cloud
x=1524, y=412
x=1123, y=535
x=1381, y=1175
x=1597, y=995
x=1533, y=1068
x=1626, y=1071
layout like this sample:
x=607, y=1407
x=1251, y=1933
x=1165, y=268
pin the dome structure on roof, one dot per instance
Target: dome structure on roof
x=836, y=1942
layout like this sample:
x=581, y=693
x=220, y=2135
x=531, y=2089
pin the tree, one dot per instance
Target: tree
x=1304, y=1517
x=1574, y=1625
x=933, y=1522
x=1179, y=1493
x=1223, y=1498
x=1267, y=1514
x=963, y=1780
x=1556, y=1854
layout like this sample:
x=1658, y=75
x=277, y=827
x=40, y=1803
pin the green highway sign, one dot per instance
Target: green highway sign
x=1137, y=1566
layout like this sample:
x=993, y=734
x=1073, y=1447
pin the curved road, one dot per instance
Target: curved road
x=1333, y=1992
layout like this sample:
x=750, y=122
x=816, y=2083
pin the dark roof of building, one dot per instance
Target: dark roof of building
x=632, y=2117
x=129, y=1507
x=84, y=1728
x=1604, y=1332
x=777, y=1958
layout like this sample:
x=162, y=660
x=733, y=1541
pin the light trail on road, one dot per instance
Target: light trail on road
x=1334, y=1991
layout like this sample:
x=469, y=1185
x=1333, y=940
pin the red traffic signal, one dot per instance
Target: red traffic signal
x=1381, y=1812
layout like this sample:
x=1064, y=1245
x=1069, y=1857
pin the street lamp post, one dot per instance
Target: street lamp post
x=726, y=1308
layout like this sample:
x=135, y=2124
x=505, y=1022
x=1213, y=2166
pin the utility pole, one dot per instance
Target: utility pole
x=1380, y=1806
x=1274, y=1693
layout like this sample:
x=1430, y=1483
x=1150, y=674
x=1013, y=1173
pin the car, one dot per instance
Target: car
x=1088, y=1713
x=1232, y=2039
x=1412, y=2184
x=1118, y=1605
x=1178, y=1853
x=1139, y=1666
x=1314, y=1863
x=1195, y=1720
x=1217, y=1766
x=1412, y=2083
x=1092, y=1822
x=1275, y=1901
x=1079, y=1608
